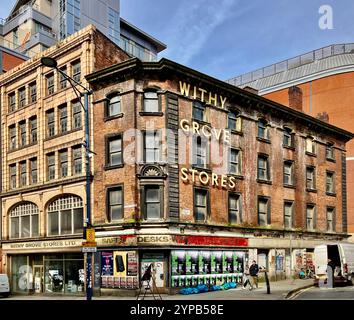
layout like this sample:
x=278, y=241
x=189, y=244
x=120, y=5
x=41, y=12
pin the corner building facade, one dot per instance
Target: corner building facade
x=199, y=177
x=43, y=175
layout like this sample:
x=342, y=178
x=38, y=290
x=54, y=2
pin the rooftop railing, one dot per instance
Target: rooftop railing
x=292, y=63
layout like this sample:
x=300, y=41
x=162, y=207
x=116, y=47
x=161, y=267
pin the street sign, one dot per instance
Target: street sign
x=90, y=235
x=88, y=244
x=89, y=249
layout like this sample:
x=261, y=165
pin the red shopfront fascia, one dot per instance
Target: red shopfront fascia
x=211, y=241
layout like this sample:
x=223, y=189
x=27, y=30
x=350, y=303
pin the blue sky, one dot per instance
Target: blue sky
x=225, y=38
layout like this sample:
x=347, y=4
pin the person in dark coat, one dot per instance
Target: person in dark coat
x=254, y=269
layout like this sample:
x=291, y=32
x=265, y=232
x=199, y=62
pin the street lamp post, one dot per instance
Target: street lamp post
x=52, y=63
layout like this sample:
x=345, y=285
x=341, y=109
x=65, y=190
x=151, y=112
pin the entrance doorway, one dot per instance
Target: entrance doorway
x=38, y=278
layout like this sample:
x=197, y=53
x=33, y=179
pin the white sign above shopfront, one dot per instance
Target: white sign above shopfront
x=30, y=245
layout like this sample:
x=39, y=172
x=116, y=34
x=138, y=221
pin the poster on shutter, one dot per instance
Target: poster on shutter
x=132, y=264
x=120, y=263
x=107, y=264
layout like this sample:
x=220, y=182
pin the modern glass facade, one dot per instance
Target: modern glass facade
x=70, y=17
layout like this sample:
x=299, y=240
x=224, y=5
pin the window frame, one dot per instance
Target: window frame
x=21, y=97
x=268, y=213
x=63, y=163
x=19, y=215
x=13, y=176
x=310, y=140
x=33, y=129
x=76, y=75
x=263, y=126
x=109, y=139
x=291, y=175
x=110, y=189
x=288, y=135
x=63, y=119
x=108, y=104
x=313, y=185
x=157, y=100
x=23, y=173
x=200, y=143
x=156, y=150
x=50, y=123
x=330, y=156
x=50, y=83
x=11, y=98
x=75, y=158
x=238, y=164
x=12, y=137
x=207, y=209
x=292, y=211
x=33, y=93
x=160, y=188
x=333, y=209
x=238, y=209
x=22, y=130
x=51, y=166
x=313, y=218
x=76, y=109
x=201, y=107
x=262, y=156
x=32, y=170
x=331, y=174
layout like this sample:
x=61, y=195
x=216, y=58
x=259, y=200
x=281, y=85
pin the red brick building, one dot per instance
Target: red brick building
x=198, y=177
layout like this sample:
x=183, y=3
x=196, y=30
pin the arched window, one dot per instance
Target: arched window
x=113, y=107
x=24, y=221
x=65, y=216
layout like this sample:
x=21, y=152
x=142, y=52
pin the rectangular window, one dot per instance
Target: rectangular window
x=50, y=123
x=330, y=219
x=201, y=205
x=34, y=172
x=23, y=135
x=288, y=138
x=329, y=151
x=33, y=129
x=235, y=162
x=51, y=166
x=13, y=176
x=115, y=152
x=21, y=97
x=76, y=67
x=115, y=203
x=263, y=132
x=50, y=83
x=310, y=178
x=288, y=178
x=63, y=157
x=310, y=145
x=23, y=174
x=77, y=115
x=310, y=217
x=288, y=214
x=152, y=202
x=33, y=92
x=63, y=118
x=263, y=211
x=200, y=152
x=235, y=208
x=77, y=160
x=151, y=101
x=113, y=107
x=62, y=79
x=12, y=101
x=263, y=168
x=12, y=134
x=152, y=147
x=199, y=111
x=234, y=121
x=330, y=182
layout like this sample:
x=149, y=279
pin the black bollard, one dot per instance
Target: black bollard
x=267, y=282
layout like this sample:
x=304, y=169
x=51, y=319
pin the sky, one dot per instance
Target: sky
x=226, y=38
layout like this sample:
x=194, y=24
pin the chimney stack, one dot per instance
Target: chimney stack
x=295, y=98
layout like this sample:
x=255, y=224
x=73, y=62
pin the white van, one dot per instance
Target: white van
x=342, y=254
x=4, y=285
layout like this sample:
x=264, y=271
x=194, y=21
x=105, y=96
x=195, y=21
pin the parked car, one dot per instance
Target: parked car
x=4, y=285
x=342, y=255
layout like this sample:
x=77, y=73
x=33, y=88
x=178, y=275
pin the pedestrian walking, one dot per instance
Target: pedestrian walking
x=254, y=269
x=246, y=278
x=330, y=273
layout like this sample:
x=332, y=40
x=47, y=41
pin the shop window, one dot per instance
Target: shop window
x=24, y=221
x=263, y=129
x=288, y=214
x=201, y=205
x=331, y=219
x=77, y=115
x=152, y=147
x=63, y=166
x=77, y=160
x=263, y=168
x=62, y=78
x=200, y=152
x=22, y=133
x=330, y=151
x=22, y=97
x=76, y=69
x=234, y=121
x=33, y=92
x=235, y=162
x=310, y=178
x=12, y=135
x=50, y=166
x=152, y=202
x=263, y=211
x=114, y=151
x=115, y=203
x=288, y=138
x=288, y=173
x=151, y=102
x=13, y=176
x=63, y=119
x=12, y=101
x=235, y=216
x=199, y=111
x=33, y=171
x=50, y=83
x=65, y=216
x=33, y=129
x=50, y=123
x=310, y=145
x=310, y=217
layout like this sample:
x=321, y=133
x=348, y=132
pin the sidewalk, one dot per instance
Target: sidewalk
x=278, y=291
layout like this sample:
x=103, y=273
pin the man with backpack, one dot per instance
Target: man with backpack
x=254, y=269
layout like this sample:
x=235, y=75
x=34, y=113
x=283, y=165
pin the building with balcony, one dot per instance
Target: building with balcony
x=198, y=177
x=34, y=25
x=325, y=78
